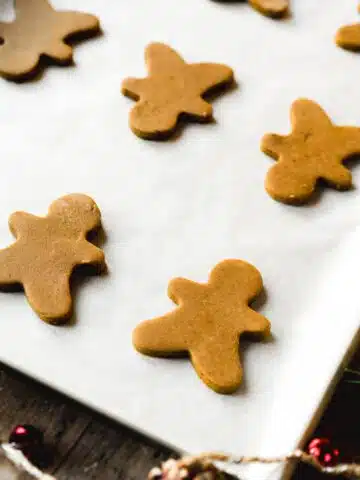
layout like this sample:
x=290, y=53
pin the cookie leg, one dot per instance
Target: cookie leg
x=271, y=8
x=198, y=109
x=74, y=23
x=288, y=185
x=339, y=177
x=348, y=37
x=60, y=52
x=218, y=364
x=50, y=297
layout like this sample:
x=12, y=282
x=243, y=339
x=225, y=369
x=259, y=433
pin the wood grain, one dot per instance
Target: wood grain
x=86, y=445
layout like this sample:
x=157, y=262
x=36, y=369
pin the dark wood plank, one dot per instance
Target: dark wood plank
x=89, y=446
x=25, y=401
x=85, y=444
x=110, y=452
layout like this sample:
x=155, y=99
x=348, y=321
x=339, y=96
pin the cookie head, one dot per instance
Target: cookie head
x=237, y=277
x=149, y=121
x=79, y=211
x=289, y=185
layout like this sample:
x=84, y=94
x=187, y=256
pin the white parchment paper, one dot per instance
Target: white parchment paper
x=177, y=208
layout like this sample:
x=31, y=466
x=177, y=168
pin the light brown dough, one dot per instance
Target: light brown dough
x=208, y=323
x=46, y=251
x=39, y=30
x=348, y=37
x=316, y=149
x=271, y=8
x=172, y=88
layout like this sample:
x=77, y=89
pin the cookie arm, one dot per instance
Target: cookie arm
x=73, y=23
x=272, y=144
x=10, y=271
x=198, y=108
x=255, y=323
x=19, y=223
x=209, y=76
x=133, y=87
x=160, y=336
x=28, y=10
x=181, y=289
x=89, y=254
x=60, y=51
x=308, y=117
x=217, y=362
x=349, y=142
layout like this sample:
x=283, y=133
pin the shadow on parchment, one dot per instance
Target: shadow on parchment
x=84, y=274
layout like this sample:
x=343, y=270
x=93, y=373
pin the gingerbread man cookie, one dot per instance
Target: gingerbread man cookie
x=348, y=37
x=39, y=30
x=173, y=88
x=316, y=149
x=208, y=322
x=46, y=252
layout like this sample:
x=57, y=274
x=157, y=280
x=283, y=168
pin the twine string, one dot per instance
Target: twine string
x=179, y=467
x=18, y=459
x=349, y=470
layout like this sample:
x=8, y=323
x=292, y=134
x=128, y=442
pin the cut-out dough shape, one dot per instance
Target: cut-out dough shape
x=208, y=323
x=316, y=149
x=39, y=30
x=172, y=88
x=271, y=8
x=46, y=251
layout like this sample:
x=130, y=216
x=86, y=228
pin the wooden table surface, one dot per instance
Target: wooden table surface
x=87, y=445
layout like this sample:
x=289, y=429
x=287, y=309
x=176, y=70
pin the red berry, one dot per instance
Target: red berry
x=323, y=451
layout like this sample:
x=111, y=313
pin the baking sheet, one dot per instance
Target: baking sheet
x=177, y=208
